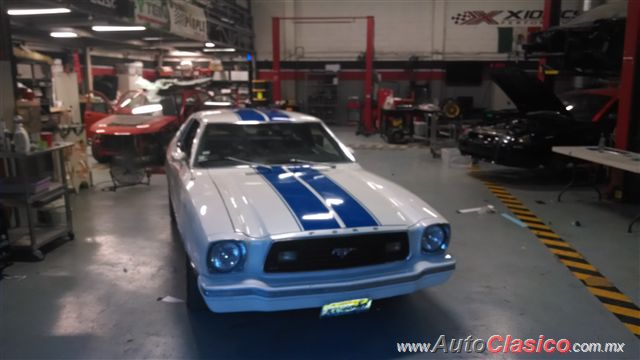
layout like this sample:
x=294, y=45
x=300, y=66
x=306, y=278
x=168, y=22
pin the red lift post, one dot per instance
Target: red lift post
x=275, y=41
x=628, y=110
x=367, y=111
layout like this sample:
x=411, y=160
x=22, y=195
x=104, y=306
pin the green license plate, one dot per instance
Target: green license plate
x=346, y=307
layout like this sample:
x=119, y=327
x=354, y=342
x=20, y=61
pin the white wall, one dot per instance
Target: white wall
x=403, y=28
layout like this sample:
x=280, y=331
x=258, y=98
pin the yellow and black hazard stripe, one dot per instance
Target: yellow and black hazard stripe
x=620, y=305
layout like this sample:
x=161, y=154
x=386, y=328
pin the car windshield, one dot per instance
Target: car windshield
x=267, y=143
x=583, y=107
x=137, y=103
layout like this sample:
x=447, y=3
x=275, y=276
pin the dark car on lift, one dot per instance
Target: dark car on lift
x=590, y=43
x=542, y=120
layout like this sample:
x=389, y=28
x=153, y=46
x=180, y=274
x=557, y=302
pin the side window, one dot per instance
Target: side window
x=186, y=140
x=321, y=141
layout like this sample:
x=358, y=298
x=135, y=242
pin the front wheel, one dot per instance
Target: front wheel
x=195, y=302
x=101, y=159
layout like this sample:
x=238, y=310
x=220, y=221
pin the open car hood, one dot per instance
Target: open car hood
x=527, y=93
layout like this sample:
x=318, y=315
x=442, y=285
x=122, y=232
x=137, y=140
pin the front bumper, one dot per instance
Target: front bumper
x=258, y=295
x=506, y=155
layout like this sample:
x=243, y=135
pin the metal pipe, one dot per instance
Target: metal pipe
x=87, y=55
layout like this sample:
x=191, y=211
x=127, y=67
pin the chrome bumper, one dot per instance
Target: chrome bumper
x=256, y=295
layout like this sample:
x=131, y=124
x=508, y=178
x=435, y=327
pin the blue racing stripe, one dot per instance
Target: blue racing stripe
x=352, y=213
x=312, y=214
x=249, y=114
x=275, y=115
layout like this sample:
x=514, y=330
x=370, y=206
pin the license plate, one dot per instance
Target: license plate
x=346, y=307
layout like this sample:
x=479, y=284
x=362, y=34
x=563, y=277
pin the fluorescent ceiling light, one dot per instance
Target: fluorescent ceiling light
x=209, y=44
x=117, y=28
x=220, y=50
x=217, y=103
x=18, y=12
x=146, y=109
x=184, y=53
x=152, y=38
x=63, y=34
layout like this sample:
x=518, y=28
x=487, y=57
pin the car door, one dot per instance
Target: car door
x=180, y=171
x=95, y=107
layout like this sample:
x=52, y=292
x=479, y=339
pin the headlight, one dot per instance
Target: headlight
x=435, y=238
x=225, y=256
x=525, y=139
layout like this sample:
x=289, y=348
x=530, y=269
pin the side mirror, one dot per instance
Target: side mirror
x=178, y=156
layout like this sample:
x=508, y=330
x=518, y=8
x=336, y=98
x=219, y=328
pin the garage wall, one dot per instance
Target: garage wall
x=436, y=31
x=430, y=29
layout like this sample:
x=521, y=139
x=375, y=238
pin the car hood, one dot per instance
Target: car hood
x=527, y=93
x=263, y=202
x=127, y=123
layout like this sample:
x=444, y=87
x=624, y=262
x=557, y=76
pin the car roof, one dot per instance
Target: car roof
x=253, y=116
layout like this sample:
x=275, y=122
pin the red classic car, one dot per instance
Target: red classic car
x=141, y=124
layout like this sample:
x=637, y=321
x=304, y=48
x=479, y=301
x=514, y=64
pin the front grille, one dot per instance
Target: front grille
x=481, y=138
x=117, y=143
x=339, y=252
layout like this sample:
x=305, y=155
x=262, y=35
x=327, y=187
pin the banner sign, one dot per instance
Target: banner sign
x=187, y=20
x=517, y=17
x=153, y=13
x=118, y=8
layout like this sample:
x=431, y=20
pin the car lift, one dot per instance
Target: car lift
x=367, y=113
x=628, y=121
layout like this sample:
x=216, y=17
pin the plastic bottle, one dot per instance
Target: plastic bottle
x=21, y=139
x=602, y=142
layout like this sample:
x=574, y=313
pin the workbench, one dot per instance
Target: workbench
x=32, y=236
x=610, y=157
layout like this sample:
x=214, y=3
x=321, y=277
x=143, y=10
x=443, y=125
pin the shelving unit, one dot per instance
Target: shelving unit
x=30, y=235
x=37, y=76
x=320, y=94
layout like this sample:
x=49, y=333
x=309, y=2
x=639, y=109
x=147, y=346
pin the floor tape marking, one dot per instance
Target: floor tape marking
x=617, y=303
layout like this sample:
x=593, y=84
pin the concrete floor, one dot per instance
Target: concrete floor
x=96, y=297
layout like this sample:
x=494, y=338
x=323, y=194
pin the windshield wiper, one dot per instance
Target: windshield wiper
x=247, y=162
x=310, y=162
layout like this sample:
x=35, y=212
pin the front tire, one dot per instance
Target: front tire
x=101, y=159
x=195, y=302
